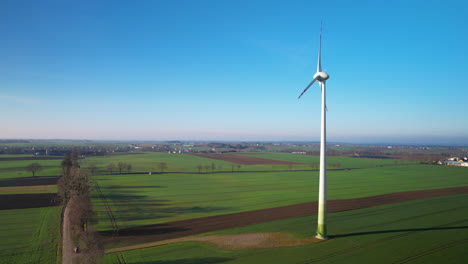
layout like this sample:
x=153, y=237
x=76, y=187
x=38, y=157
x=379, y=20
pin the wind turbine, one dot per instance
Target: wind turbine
x=321, y=77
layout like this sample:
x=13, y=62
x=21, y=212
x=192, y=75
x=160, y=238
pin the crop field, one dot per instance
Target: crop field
x=30, y=235
x=181, y=193
x=17, y=168
x=29, y=217
x=432, y=230
x=148, y=162
x=194, y=187
x=187, y=163
x=141, y=199
x=345, y=162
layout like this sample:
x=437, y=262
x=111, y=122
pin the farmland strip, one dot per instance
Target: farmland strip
x=115, y=227
x=195, y=226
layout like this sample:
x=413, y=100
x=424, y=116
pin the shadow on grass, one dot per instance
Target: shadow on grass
x=128, y=205
x=188, y=261
x=150, y=210
x=398, y=230
x=146, y=230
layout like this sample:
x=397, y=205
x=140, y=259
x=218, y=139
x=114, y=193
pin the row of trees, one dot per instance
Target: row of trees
x=316, y=165
x=213, y=167
x=161, y=166
x=74, y=191
x=121, y=166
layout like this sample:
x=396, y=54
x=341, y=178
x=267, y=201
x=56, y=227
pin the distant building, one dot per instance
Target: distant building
x=456, y=163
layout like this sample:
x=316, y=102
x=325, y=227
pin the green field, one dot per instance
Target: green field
x=30, y=235
x=432, y=230
x=180, y=192
x=142, y=199
x=17, y=168
x=345, y=162
x=146, y=162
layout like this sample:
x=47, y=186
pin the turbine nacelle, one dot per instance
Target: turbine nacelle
x=321, y=76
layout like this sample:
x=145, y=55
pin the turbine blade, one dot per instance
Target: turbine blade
x=319, y=63
x=312, y=82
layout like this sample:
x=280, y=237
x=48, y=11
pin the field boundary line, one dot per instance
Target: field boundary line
x=115, y=227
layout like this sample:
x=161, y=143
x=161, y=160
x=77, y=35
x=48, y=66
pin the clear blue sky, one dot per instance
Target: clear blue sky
x=232, y=70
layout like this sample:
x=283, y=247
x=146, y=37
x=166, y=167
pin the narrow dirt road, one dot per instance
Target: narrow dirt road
x=67, y=242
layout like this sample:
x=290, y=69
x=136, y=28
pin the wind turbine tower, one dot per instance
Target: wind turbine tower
x=321, y=77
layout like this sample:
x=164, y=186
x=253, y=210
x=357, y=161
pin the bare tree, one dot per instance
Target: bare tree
x=110, y=167
x=199, y=167
x=213, y=167
x=121, y=166
x=75, y=191
x=72, y=184
x=162, y=166
x=129, y=167
x=66, y=163
x=92, y=168
x=207, y=167
x=34, y=167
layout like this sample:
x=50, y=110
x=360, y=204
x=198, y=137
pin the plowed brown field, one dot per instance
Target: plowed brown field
x=21, y=201
x=145, y=234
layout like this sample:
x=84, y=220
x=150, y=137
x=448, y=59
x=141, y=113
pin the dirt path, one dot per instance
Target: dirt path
x=189, y=227
x=67, y=243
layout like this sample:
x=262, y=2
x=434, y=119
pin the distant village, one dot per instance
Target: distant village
x=455, y=161
x=450, y=156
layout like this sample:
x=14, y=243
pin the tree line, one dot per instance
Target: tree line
x=74, y=190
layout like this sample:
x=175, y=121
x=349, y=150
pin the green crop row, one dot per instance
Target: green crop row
x=30, y=235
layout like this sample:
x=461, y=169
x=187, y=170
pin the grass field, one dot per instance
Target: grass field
x=363, y=235
x=145, y=162
x=345, y=162
x=30, y=235
x=17, y=168
x=141, y=199
x=432, y=230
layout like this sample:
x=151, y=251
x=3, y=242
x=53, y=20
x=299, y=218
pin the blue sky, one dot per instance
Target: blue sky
x=232, y=70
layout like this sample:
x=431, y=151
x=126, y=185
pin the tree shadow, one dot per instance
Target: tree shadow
x=128, y=205
x=397, y=230
x=157, y=229
x=149, y=210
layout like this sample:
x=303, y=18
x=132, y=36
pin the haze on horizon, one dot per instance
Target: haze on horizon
x=232, y=70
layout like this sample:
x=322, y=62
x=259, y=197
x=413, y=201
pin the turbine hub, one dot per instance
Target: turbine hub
x=321, y=76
